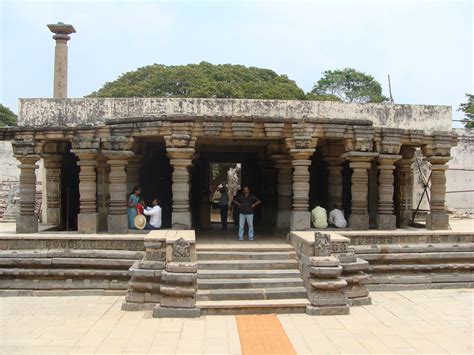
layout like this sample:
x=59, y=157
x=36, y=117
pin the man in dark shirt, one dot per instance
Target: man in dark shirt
x=246, y=203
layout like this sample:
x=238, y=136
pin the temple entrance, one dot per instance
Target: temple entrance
x=224, y=184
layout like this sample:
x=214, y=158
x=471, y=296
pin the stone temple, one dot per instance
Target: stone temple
x=356, y=156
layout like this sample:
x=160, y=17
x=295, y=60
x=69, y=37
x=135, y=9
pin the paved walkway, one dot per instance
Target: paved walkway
x=432, y=321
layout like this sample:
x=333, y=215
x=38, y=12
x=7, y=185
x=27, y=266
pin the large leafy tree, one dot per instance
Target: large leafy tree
x=202, y=80
x=468, y=109
x=7, y=117
x=348, y=85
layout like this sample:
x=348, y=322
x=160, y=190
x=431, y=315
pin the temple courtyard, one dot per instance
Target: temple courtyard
x=425, y=321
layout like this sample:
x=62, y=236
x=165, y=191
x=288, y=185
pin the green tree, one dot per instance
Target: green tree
x=202, y=80
x=468, y=109
x=7, y=117
x=349, y=85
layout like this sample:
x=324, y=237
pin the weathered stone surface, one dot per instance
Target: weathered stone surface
x=176, y=312
x=324, y=261
x=327, y=311
x=178, y=277
x=181, y=302
x=117, y=224
x=326, y=271
x=181, y=267
x=178, y=291
x=327, y=298
x=151, y=265
x=360, y=301
x=329, y=285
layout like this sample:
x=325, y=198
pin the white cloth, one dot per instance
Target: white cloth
x=336, y=217
x=155, y=215
x=319, y=217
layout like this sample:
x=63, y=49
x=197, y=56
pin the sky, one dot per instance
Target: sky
x=425, y=46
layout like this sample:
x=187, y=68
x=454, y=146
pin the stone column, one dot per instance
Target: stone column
x=117, y=220
x=438, y=218
x=406, y=186
x=359, y=162
x=334, y=181
x=62, y=32
x=87, y=219
x=102, y=192
x=385, y=215
x=180, y=160
x=284, y=187
x=27, y=221
x=133, y=172
x=52, y=165
x=300, y=216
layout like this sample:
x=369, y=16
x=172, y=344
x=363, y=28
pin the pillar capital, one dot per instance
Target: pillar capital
x=302, y=154
x=61, y=31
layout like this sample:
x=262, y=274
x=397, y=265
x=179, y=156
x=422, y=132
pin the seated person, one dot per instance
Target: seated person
x=319, y=216
x=336, y=218
x=155, y=215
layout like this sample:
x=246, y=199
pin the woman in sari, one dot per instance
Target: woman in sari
x=133, y=199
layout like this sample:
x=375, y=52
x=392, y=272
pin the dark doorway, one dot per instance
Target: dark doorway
x=69, y=192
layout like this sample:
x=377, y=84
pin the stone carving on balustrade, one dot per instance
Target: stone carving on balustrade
x=181, y=250
x=322, y=244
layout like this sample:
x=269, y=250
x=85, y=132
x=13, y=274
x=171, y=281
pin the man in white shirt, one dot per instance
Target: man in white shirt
x=336, y=218
x=155, y=215
x=319, y=216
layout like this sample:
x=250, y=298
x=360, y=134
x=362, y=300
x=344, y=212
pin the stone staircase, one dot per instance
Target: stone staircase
x=249, y=279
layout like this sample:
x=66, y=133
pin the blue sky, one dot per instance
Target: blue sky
x=426, y=46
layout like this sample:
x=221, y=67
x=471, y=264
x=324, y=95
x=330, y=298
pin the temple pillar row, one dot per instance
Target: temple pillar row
x=284, y=188
x=385, y=210
x=300, y=215
x=181, y=160
x=52, y=165
x=27, y=221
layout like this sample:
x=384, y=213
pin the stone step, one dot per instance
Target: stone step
x=67, y=262
x=64, y=272
x=242, y=246
x=70, y=284
x=414, y=248
x=445, y=267
x=71, y=253
x=246, y=255
x=252, y=294
x=295, y=305
x=237, y=274
x=213, y=284
x=420, y=278
x=247, y=265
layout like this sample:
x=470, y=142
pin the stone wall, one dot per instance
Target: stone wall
x=94, y=112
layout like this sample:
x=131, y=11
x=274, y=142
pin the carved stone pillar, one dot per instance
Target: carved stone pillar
x=406, y=186
x=385, y=215
x=438, y=218
x=334, y=181
x=117, y=220
x=133, y=172
x=87, y=219
x=52, y=165
x=180, y=160
x=300, y=216
x=284, y=187
x=359, y=162
x=102, y=192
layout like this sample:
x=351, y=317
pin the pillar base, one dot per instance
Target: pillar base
x=117, y=224
x=87, y=223
x=405, y=218
x=53, y=216
x=437, y=221
x=283, y=219
x=181, y=220
x=103, y=212
x=359, y=221
x=386, y=221
x=27, y=224
x=300, y=220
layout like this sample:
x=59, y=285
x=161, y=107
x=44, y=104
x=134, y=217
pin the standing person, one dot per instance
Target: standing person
x=224, y=206
x=336, y=218
x=319, y=216
x=236, y=209
x=246, y=203
x=155, y=215
x=133, y=200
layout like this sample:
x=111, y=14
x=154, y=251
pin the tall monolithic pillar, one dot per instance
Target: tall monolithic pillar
x=284, y=188
x=300, y=216
x=405, y=167
x=62, y=32
x=117, y=220
x=26, y=153
x=180, y=160
x=52, y=166
x=102, y=192
x=334, y=181
x=359, y=162
x=438, y=218
x=87, y=219
x=385, y=213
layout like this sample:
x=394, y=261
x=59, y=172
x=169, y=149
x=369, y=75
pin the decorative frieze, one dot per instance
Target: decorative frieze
x=212, y=128
x=273, y=130
x=243, y=129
